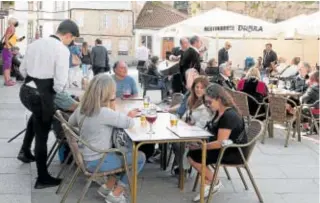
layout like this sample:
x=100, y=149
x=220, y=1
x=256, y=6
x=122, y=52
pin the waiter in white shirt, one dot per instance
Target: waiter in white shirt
x=142, y=55
x=45, y=67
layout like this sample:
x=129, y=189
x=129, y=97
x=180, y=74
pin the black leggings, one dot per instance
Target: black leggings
x=40, y=123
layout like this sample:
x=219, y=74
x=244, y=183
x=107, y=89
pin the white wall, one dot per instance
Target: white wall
x=122, y=5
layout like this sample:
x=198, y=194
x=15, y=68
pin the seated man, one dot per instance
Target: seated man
x=299, y=83
x=63, y=101
x=161, y=81
x=224, y=77
x=312, y=93
x=125, y=83
x=212, y=68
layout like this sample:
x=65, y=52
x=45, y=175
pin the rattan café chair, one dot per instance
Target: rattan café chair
x=277, y=112
x=255, y=130
x=74, y=140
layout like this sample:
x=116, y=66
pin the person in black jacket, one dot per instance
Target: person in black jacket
x=299, y=83
x=158, y=80
x=223, y=55
x=269, y=56
x=223, y=78
x=176, y=55
x=191, y=58
x=312, y=93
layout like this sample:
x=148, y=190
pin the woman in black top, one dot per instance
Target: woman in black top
x=227, y=125
x=85, y=59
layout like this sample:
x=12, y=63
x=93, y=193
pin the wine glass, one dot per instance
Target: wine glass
x=151, y=117
x=126, y=93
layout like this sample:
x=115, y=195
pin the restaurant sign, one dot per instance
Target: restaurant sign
x=241, y=28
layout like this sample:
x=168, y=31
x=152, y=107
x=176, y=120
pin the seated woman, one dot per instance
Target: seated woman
x=159, y=80
x=196, y=114
x=98, y=117
x=212, y=68
x=253, y=86
x=181, y=108
x=227, y=124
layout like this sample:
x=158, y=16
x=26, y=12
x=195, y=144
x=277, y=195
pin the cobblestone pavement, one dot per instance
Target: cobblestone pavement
x=284, y=175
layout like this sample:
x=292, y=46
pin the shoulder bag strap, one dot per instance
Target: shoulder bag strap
x=81, y=123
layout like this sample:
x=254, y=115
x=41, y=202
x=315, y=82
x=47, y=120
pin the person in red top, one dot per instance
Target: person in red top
x=10, y=40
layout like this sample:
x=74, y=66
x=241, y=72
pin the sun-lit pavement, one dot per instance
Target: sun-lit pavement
x=288, y=175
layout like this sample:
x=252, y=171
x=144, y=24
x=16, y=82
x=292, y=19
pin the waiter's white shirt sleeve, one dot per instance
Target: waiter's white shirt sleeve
x=61, y=69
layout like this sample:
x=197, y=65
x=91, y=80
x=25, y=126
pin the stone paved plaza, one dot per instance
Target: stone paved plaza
x=283, y=175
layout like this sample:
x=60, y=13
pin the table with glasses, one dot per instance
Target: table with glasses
x=164, y=130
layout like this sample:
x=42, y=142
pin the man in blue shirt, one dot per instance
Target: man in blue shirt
x=124, y=82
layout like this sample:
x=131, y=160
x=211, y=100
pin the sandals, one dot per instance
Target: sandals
x=9, y=83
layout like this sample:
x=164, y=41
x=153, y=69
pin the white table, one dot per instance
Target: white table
x=139, y=136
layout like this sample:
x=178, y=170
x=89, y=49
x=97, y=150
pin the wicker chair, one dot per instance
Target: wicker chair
x=311, y=112
x=74, y=140
x=145, y=78
x=255, y=130
x=277, y=112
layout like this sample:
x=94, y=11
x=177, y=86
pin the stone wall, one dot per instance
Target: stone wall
x=273, y=11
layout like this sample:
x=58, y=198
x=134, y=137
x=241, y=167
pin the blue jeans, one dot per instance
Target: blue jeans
x=114, y=161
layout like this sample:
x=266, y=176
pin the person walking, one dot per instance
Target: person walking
x=99, y=58
x=45, y=68
x=10, y=40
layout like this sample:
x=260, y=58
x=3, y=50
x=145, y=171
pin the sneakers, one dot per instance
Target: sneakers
x=104, y=191
x=206, y=191
x=113, y=199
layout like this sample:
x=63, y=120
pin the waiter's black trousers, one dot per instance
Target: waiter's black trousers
x=42, y=114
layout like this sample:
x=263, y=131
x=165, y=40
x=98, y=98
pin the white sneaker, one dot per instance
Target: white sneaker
x=207, y=189
x=113, y=199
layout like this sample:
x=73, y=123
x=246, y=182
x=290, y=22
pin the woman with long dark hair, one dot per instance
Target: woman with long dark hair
x=226, y=126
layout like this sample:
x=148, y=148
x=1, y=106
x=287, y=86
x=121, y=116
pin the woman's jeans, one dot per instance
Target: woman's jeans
x=114, y=161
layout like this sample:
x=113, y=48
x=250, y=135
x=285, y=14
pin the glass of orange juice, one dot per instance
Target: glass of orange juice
x=173, y=120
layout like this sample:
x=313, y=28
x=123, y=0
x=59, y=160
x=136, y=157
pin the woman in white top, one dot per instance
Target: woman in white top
x=197, y=113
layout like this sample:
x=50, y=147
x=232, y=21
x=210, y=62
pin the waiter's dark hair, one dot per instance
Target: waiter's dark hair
x=68, y=26
x=194, y=39
x=115, y=65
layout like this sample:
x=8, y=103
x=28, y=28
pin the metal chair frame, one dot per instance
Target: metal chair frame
x=255, y=130
x=73, y=141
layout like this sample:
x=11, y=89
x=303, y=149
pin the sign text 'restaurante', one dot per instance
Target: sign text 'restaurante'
x=244, y=28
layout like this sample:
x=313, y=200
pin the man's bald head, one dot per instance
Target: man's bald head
x=120, y=68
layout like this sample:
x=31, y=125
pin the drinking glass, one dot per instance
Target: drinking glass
x=143, y=116
x=126, y=92
x=146, y=102
x=151, y=117
x=173, y=120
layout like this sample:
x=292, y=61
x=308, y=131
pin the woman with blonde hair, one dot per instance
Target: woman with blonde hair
x=253, y=86
x=8, y=41
x=96, y=118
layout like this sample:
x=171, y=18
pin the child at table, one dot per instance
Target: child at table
x=96, y=118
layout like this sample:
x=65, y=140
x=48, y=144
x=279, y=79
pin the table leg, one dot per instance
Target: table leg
x=134, y=173
x=298, y=124
x=164, y=150
x=203, y=170
x=270, y=128
x=181, y=170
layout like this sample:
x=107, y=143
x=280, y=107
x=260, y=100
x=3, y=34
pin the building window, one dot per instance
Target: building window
x=59, y=5
x=123, y=47
x=30, y=5
x=123, y=21
x=107, y=21
x=40, y=31
x=40, y=6
x=107, y=43
x=148, y=41
x=30, y=31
